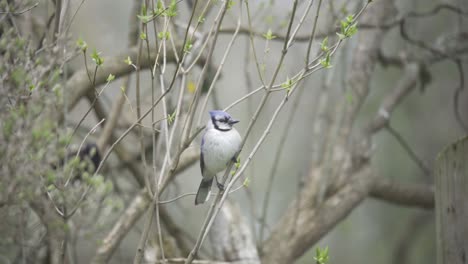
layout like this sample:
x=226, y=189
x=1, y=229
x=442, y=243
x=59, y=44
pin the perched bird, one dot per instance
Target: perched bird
x=88, y=161
x=220, y=144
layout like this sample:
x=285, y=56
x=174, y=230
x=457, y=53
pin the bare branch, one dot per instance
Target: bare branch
x=417, y=195
x=112, y=65
x=293, y=236
x=22, y=11
x=406, y=84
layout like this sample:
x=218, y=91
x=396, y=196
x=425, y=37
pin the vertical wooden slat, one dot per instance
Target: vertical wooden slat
x=452, y=204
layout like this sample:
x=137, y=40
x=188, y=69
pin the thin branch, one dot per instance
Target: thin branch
x=408, y=149
x=113, y=65
x=276, y=162
x=403, y=88
x=20, y=12
x=312, y=34
x=218, y=71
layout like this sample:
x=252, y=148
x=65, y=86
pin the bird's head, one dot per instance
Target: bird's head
x=221, y=120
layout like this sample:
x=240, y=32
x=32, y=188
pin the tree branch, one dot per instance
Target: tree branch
x=302, y=225
x=406, y=84
x=417, y=195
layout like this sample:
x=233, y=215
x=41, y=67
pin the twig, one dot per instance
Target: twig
x=403, y=88
x=218, y=71
x=312, y=35
x=408, y=149
x=194, y=104
x=20, y=12
x=276, y=161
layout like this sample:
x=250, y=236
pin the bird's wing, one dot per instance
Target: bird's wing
x=202, y=160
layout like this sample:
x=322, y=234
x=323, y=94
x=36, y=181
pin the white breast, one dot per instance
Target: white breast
x=218, y=149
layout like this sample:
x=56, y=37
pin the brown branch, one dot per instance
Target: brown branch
x=413, y=195
x=293, y=236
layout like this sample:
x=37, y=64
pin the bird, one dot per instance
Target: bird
x=220, y=144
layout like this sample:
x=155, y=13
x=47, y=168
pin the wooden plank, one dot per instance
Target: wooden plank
x=452, y=203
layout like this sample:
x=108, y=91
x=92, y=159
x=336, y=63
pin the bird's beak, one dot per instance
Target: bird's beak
x=233, y=121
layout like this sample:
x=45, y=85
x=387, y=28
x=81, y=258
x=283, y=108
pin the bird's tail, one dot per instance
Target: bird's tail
x=204, y=190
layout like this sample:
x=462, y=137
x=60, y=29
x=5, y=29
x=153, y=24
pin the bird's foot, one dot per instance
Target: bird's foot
x=220, y=185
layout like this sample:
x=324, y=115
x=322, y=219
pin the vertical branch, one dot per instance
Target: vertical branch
x=218, y=202
x=162, y=174
x=218, y=71
x=193, y=106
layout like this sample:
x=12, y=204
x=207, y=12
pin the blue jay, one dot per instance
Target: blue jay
x=220, y=144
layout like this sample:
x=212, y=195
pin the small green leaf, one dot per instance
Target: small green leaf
x=97, y=58
x=287, y=84
x=348, y=27
x=321, y=255
x=159, y=5
x=237, y=164
x=81, y=44
x=246, y=182
x=164, y=35
x=188, y=46
x=171, y=118
x=201, y=19
x=143, y=35
x=325, y=62
x=324, y=44
x=341, y=36
x=172, y=10
x=110, y=78
x=230, y=4
x=145, y=18
x=128, y=61
x=269, y=35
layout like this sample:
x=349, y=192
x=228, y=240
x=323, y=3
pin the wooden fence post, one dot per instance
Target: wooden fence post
x=451, y=177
